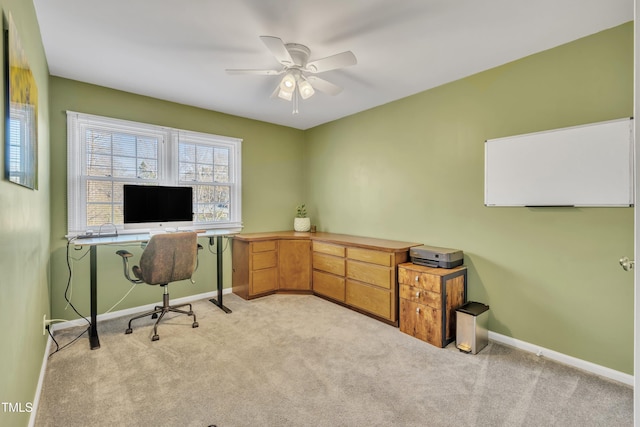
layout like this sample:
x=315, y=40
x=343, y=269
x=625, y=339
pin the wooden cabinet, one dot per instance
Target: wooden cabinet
x=428, y=300
x=254, y=268
x=358, y=272
x=294, y=265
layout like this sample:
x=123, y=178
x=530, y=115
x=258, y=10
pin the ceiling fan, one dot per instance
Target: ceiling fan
x=299, y=73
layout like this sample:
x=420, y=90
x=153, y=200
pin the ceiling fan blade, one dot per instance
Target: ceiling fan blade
x=256, y=72
x=340, y=60
x=324, y=86
x=278, y=49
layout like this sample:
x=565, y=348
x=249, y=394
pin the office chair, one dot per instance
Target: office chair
x=166, y=258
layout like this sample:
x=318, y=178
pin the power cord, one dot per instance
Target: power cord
x=121, y=299
x=211, y=244
x=67, y=297
x=69, y=257
x=66, y=291
x=58, y=348
x=114, y=233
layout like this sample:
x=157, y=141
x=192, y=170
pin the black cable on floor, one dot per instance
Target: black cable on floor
x=58, y=348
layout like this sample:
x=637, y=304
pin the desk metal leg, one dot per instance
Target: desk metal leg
x=218, y=302
x=93, y=329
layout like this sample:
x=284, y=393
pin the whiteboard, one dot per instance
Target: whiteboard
x=589, y=165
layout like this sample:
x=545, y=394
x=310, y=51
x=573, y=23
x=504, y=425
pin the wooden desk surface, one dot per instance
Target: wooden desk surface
x=340, y=239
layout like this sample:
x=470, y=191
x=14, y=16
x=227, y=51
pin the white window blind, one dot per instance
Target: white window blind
x=21, y=143
x=104, y=154
x=17, y=124
x=208, y=167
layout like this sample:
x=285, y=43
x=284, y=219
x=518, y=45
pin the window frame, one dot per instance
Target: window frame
x=168, y=167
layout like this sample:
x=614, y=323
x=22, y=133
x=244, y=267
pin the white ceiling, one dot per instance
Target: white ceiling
x=178, y=50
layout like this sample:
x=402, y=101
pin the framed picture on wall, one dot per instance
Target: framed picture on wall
x=21, y=111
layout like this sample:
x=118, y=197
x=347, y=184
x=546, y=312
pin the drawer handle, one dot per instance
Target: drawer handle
x=417, y=278
x=418, y=294
x=418, y=310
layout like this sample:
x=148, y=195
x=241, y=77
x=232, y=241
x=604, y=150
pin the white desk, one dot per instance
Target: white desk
x=94, y=242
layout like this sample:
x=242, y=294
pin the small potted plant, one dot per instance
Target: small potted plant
x=301, y=222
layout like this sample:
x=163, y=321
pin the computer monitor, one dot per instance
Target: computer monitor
x=156, y=207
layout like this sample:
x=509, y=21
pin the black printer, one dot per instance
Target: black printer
x=432, y=256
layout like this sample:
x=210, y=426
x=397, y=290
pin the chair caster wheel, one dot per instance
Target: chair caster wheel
x=154, y=316
x=155, y=338
x=195, y=325
x=128, y=331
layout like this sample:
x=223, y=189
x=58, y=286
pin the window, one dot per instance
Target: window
x=103, y=154
x=207, y=168
x=22, y=145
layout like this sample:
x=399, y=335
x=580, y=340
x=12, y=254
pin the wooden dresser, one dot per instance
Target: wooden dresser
x=358, y=272
x=429, y=298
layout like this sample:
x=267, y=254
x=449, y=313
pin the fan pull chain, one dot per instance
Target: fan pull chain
x=295, y=102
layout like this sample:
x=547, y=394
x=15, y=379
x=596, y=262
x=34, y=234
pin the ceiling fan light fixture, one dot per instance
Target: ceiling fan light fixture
x=287, y=96
x=306, y=90
x=296, y=83
x=288, y=84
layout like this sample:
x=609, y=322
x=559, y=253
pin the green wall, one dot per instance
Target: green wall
x=272, y=186
x=24, y=234
x=414, y=170
x=409, y=170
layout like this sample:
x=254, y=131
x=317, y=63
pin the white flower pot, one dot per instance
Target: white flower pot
x=302, y=224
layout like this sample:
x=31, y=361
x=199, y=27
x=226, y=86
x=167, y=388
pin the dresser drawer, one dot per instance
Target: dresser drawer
x=328, y=263
x=262, y=260
x=419, y=279
x=328, y=285
x=269, y=245
x=328, y=248
x=421, y=296
x=367, y=255
x=369, y=298
x=369, y=273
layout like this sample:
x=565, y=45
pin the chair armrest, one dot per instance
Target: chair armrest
x=125, y=264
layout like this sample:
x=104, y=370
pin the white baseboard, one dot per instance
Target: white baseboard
x=136, y=310
x=43, y=369
x=563, y=358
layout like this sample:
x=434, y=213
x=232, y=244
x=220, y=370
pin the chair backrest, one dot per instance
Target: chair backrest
x=168, y=258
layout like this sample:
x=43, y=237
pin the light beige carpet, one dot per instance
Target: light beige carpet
x=293, y=360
